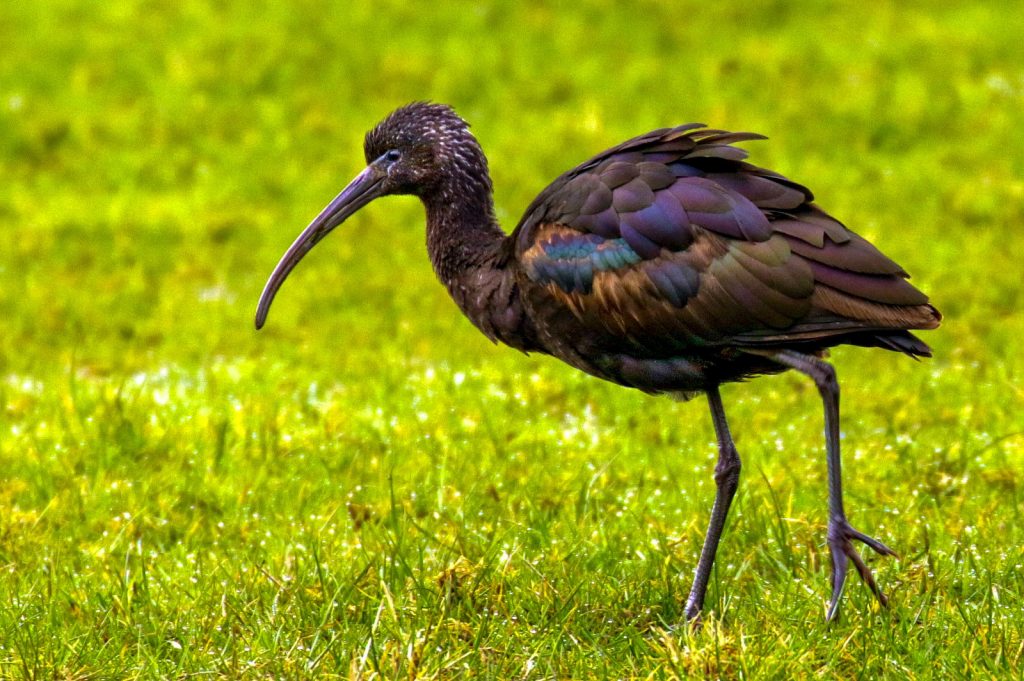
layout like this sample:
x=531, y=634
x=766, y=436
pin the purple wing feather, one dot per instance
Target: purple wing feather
x=673, y=232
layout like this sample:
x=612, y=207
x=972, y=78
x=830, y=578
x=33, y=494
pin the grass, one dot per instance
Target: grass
x=369, y=489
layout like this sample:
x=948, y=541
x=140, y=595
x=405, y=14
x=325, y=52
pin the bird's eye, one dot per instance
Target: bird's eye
x=393, y=155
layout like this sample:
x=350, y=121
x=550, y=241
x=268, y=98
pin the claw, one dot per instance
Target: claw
x=840, y=536
x=694, y=619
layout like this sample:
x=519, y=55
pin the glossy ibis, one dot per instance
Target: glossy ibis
x=667, y=263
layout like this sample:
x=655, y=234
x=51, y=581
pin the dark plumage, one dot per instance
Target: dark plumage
x=667, y=264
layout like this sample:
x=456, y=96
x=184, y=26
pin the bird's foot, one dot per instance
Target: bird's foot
x=692, y=615
x=840, y=540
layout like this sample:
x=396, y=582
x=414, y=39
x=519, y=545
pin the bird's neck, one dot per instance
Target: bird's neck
x=462, y=233
x=471, y=256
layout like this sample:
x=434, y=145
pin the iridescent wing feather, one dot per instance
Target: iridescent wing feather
x=672, y=240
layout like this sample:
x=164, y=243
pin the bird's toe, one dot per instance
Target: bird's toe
x=840, y=539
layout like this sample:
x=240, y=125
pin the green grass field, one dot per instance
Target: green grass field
x=369, y=489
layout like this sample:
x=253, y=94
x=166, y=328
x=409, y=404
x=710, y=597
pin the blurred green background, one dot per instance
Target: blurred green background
x=368, y=487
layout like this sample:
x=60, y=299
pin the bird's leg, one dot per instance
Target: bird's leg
x=727, y=476
x=840, y=533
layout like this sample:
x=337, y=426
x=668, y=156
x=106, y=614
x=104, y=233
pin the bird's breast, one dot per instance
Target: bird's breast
x=490, y=299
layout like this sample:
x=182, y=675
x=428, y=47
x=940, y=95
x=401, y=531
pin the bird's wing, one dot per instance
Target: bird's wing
x=672, y=239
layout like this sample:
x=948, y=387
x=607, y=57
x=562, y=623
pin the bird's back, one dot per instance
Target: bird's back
x=657, y=262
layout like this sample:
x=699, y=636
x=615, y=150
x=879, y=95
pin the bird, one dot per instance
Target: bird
x=667, y=263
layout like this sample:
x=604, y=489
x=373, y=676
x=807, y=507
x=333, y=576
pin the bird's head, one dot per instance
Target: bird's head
x=417, y=146
x=412, y=151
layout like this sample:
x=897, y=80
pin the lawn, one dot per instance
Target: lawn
x=368, y=488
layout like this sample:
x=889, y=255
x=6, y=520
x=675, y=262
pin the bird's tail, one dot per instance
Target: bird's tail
x=905, y=342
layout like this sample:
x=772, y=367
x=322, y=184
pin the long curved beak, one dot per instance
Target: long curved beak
x=366, y=186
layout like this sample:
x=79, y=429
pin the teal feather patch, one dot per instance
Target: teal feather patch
x=570, y=261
